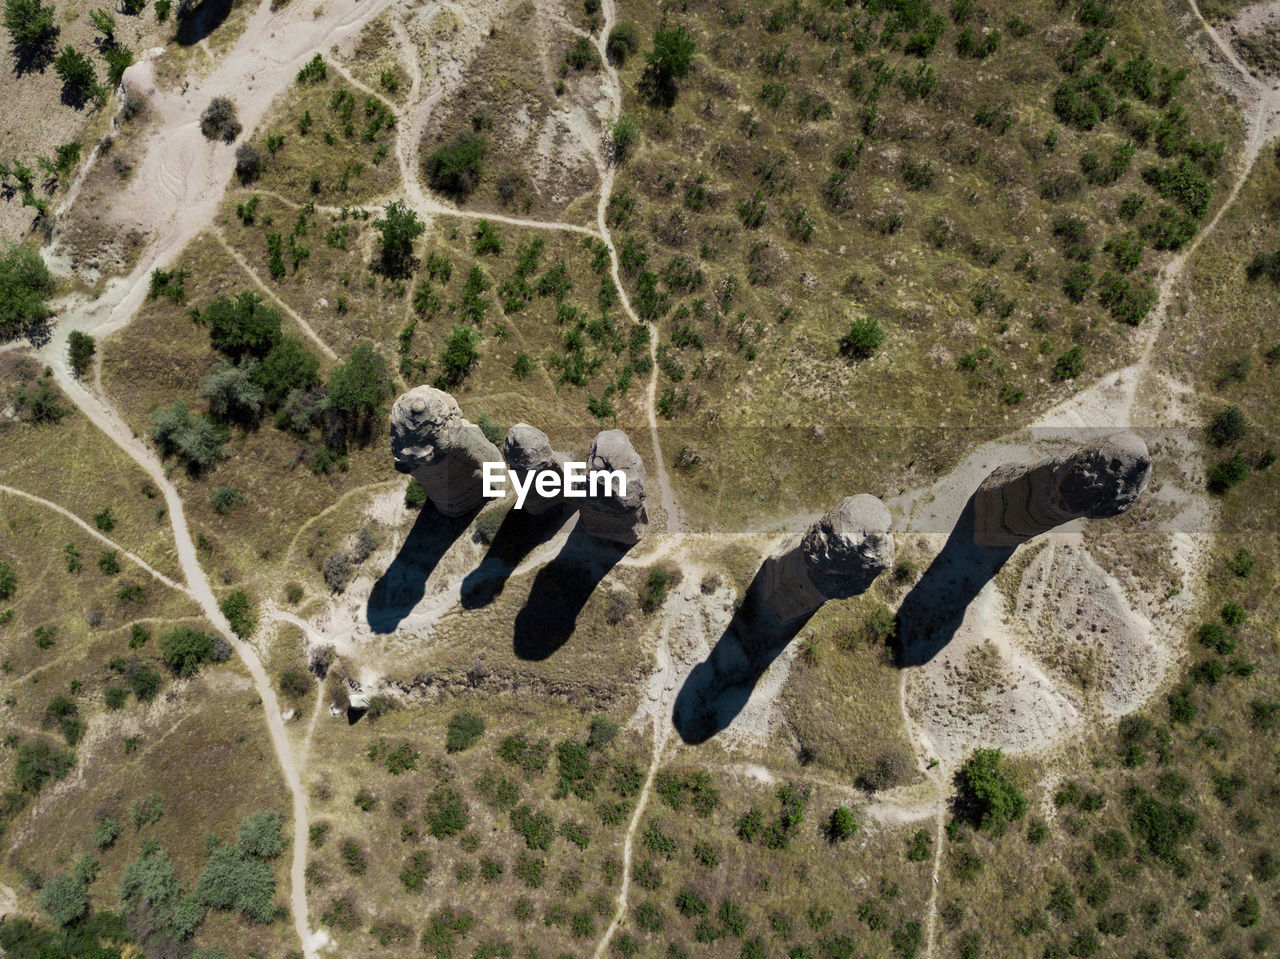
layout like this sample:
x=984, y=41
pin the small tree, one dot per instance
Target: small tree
x=455, y=168
x=25, y=283
x=29, y=22
x=668, y=61
x=864, y=337
x=185, y=650
x=359, y=387
x=80, y=350
x=459, y=354
x=288, y=367
x=399, y=227
x=233, y=392
x=238, y=608
x=76, y=72
x=624, y=40
x=259, y=834
x=464, y=729
x=65, y=899
x=218, y=122
x=623, y=133
x=989, y=795
x=248, y=163
x=242, y=325
x=841, y=825
x=1228, y=426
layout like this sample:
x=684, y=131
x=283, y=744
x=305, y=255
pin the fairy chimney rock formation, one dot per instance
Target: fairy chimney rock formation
x=840, y=556
x=434, y=443
x=1102, y=478
x=527, y=449
x=611, y=515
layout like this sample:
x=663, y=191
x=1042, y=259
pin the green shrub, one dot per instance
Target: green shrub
x=921, y=846
x=185, y=650
x=455, y=168
x=399, y=227
x=842, y=825
x=988, y=792
x=239, y=610
x=225, y=499
x=624, y=40
x=447, y=813
x=80, y=350
x=1228, y=473
x=1163, y=827
x=459, y=353
x=106, y=832
x=313, y=71
x=25, y=281
x=29, y=22
x=463, y=731
x=65, y=898
x=234, y=880
x=218, y=121
x=865, y=336
x=8, y=581
x=38, y=763
x=259, y=834
x=1229, y=426
x=76, y=71
x=415, y=872
x=242, y=326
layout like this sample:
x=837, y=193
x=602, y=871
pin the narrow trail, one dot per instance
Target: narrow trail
x=931, y=914
x=96, y=534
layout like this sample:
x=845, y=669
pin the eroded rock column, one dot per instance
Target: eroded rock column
x=528, y=450
x=434, y=443
x=1103, y=478
x=840, y=556
x=614, y=516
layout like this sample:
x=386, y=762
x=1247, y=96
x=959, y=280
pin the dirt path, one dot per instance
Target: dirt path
x=13, y=491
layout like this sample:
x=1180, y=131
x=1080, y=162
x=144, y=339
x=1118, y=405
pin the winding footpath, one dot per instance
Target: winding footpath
x=181, y=182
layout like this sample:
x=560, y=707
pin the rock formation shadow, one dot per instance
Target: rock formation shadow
x=202, y=21
x=519, y=535
x=933, y=610
x=559, y=591
x=718, y=688
x=404, y=583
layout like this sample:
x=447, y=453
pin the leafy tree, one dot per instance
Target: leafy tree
x=1070, y=364
x=38, y=763
x=234, y=880
x=238, y=608
x=1228, y=426
x=989, y=795
x=359, y=387
x=197, y=441
x=29, y=22
x=287, y=367
x=118, y=60
x=260, y=834
x=244, y=325
x=623, y=133
x=668, y=61
x=80, y=349
x=218, y=121
x=399, y=227
x=459, y=354
x=455, y=168
x=233, y=391
x=106, y=832
x=842, y=824
x=25, y=283
x=225, y=499
x=65, y=899
x=185, y=650
x=75, y=70
x=624, y=40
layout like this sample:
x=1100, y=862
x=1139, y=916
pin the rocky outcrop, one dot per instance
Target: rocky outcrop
x=526, y=450
x=616, y=517
x=433, y=442
x=1103, y=478
x=838, y=557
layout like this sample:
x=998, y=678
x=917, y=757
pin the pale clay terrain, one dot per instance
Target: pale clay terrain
x=1063, y=592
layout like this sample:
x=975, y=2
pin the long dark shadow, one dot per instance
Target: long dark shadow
x=717, y=689
x=404, y=583
x=202, y=21
x=559, y=591
x=933, y=610
x=518, y=536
